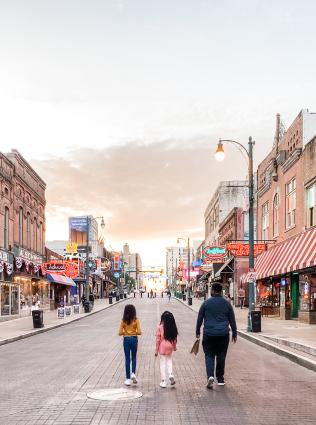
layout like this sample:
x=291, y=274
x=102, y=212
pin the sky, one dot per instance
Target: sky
x=119, y=104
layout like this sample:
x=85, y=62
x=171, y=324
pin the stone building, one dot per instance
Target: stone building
x=22, y=234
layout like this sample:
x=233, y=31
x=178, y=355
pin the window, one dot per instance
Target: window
x=41, y=238
x=265, y=221
x=276, y=201
x=290, y=203
x=311, y=205
x=35, y=235
x=6, y=228
x=28, y=230
x=21, y=226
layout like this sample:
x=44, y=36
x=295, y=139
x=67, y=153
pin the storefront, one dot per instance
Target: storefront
x=286, y=277
x=33, y=287
x=63, y=290
x=9, y=292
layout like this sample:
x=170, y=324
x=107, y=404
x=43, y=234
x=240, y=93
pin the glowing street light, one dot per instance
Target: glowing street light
x=220, y=154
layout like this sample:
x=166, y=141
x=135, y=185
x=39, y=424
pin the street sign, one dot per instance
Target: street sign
x=83, y=248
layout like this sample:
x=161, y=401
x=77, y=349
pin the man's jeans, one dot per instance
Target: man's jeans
x=215, y=346
x=130, y=346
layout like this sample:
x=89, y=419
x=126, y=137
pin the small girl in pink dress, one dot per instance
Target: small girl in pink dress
x=166, y=344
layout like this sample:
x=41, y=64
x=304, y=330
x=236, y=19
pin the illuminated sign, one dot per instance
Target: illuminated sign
x=78, y=223
x=71, y=248
x=67, y=268
x=213, y=254
x=242, y=249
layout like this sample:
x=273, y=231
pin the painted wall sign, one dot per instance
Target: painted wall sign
x=213, y=254
x=67, y=268
x=27, y=255
x=242, y=249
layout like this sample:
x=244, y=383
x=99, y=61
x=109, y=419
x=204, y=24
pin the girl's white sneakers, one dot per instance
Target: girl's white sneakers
x=163, y=384
x=127, y=382
x=133, y=378
x=171, y=379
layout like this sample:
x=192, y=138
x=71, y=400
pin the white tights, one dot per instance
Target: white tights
x=165, y=365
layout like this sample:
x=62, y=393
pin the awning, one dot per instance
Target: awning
x=59, y=278
x=247, y=277
x=293, y=254
x=224, y=266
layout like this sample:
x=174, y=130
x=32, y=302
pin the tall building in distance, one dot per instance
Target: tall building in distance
x=133, y=265
x=174, y=257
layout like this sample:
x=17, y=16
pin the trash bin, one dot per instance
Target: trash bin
x=87, y=306
x=121, y=296
x=38, y=317
x=184, y=297
x=125, y=295
x=117, y=298
x=255, y=320
x=147, y=294
x=110, y=300
x=189, y=300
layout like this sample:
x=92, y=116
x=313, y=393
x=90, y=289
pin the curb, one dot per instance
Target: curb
x=59, y=325
x=296, y=358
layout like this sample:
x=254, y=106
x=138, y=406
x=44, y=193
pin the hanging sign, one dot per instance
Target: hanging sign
x=71, y=248
x=67, y=268
x=213, y=254
x=242, y=249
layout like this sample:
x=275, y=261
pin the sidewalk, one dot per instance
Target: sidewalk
x=13, y=330
x=289, y=338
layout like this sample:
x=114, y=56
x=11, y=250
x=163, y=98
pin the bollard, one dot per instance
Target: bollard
x=141, y=295
x=110, y=300
x=189, y=300
x=134, y=294
x=117, y=298
x=147, y=294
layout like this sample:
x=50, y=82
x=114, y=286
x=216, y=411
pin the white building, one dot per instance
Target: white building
x=133, y=265
x=229, y=194
x=174, y=255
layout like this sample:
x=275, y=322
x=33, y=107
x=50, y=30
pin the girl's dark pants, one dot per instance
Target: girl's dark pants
x=215, y=347
x=130, y=347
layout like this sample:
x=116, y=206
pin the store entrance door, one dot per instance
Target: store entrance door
x=294, y=296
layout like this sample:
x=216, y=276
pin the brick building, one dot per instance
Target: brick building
x=22, y=235
x=286, y=216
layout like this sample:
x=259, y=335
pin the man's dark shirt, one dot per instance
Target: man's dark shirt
x=217, y=314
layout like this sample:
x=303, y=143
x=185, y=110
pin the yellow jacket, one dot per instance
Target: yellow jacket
x=133, y=329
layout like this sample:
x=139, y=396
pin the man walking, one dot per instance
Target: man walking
x=217, y=314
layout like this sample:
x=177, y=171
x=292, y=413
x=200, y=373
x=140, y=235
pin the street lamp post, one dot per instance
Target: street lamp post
x=220, y=154
x=189, y=268
x=87, y=308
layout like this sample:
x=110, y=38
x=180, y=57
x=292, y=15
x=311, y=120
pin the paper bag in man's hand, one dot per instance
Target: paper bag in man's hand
x=195, y=348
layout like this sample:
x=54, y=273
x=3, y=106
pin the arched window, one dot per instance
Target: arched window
x=35, y=234
x=41, y=238
x=276, y=202
x=21, y=226
x=6, y=228
x=28, y=230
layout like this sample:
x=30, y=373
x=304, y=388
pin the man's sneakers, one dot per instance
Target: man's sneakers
x=163, y=384
x=133, y=378
x=171, y=379
x=210, y=383
x=127, y=382
x=221, y=381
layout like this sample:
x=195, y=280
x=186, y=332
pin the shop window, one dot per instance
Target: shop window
x=290, y=203
x=265, y=221
x=276, y=201
x=311, y=205
x=21, y=226
x=6, y=228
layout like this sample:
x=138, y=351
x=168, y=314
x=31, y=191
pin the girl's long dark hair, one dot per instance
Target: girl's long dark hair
x=169, y=326
x=129, y=314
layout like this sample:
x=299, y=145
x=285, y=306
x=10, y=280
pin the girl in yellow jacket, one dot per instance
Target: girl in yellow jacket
x=130, y=329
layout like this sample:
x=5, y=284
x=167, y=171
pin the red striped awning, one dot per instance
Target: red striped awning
x=296, y=253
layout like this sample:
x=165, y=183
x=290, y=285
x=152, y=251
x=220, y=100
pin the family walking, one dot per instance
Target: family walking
x=217, y=315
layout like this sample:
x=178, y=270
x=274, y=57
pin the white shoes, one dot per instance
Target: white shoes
x=210, y=383
x=133, y=378
x=171, y=379
x=127, y=382
x=163, y=384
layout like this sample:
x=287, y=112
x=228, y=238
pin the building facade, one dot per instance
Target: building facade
x=286, y=211
x=229, y=194
x=22, y=236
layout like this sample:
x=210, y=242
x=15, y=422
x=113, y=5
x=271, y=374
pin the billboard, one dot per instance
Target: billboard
x=78, y=223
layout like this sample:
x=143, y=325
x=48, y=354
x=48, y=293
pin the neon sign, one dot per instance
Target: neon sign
x=67, y=268
x=242, y=249
x=213, y=254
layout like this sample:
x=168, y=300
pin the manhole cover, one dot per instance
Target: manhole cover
x=113, y=394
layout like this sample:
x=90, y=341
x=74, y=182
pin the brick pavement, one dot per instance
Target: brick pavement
x=45, y=378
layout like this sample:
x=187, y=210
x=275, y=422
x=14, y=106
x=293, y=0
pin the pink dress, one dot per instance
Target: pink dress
x=163, y=346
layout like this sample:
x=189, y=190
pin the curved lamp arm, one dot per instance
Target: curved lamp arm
x=236, y=143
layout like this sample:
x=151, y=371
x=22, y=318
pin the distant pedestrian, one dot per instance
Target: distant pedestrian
x=169, y=294
x=217, y=315
x=151, y=293
x=130, y=330
x=241, y=296
x=166, y=344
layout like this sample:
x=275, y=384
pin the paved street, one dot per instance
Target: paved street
x=45, y=378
